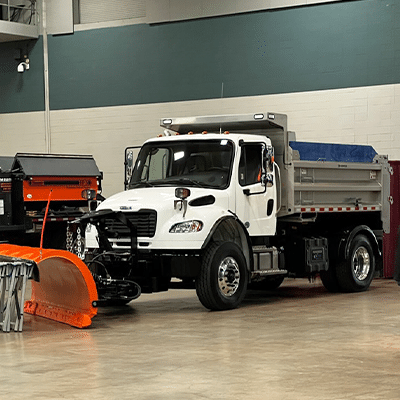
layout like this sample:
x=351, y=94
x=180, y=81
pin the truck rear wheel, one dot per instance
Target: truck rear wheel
x=355, y=273
x=222, y=282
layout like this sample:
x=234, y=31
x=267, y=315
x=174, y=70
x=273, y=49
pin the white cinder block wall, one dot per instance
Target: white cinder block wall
x=22, y=132
x=366, y=115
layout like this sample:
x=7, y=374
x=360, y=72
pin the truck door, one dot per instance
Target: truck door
x=256, y=189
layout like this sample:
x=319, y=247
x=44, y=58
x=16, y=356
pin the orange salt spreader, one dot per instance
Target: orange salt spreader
x=25, y=183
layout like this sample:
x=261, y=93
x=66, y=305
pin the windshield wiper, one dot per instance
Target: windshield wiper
x=141, y=183
x=173, y=181
x=186, y=180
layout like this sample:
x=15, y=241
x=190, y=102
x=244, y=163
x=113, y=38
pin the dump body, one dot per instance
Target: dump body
x=344, y=178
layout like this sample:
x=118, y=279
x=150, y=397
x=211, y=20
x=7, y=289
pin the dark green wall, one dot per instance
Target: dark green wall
x=327, y=46
x=20, y=92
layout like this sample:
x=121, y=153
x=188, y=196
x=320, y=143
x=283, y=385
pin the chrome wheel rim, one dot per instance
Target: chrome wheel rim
x=228, y=277
x=361, y=263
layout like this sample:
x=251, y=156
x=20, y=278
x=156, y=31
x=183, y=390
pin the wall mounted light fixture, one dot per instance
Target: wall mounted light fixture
x=23, y=66
x=23, y=60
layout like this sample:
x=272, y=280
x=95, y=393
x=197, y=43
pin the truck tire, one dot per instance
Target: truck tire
x=222, y=281
x=355, y=273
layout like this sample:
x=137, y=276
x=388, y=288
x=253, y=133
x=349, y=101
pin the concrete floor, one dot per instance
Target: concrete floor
x=298, y=342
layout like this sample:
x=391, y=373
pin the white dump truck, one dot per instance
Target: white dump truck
x=223, y=202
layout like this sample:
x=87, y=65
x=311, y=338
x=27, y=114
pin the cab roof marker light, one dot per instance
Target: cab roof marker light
x=167, y=121
x=258, y=116
x=271, y=116
x=226, y=133
x=204, y=132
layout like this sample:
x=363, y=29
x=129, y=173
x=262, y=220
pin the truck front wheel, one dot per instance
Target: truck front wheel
x=356, y=271
x=223, y=278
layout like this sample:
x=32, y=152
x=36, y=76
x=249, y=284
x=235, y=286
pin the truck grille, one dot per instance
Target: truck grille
x=145, y=222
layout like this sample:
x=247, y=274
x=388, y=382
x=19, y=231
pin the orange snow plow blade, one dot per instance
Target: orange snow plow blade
x=65, y=290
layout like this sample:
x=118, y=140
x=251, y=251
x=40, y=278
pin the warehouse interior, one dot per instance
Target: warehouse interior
x=92, y=77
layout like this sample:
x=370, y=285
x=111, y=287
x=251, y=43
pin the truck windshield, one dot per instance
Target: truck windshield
x=203, y=163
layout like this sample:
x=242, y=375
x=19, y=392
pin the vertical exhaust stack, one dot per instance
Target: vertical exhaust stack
x=65, y=289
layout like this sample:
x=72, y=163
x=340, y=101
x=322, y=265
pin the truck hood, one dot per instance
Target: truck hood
x=163, y=198
x=204, y=206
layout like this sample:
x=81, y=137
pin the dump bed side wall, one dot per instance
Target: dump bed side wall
x=330, y=186
x=336, y=185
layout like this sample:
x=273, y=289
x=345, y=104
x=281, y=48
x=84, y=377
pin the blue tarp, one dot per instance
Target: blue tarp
x=333, y=152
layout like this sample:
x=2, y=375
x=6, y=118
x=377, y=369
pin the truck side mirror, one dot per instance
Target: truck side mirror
x=268, y=166
x=129, y=163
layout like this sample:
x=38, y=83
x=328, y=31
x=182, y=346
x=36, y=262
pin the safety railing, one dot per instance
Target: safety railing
x=22, y=11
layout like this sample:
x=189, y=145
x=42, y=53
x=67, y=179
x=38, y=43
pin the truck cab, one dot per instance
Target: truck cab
x=206, y=176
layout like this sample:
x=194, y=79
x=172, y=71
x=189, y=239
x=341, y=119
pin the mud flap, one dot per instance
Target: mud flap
x=64, y=291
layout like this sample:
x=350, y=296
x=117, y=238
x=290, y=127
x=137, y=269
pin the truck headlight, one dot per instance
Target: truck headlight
x=187, y=227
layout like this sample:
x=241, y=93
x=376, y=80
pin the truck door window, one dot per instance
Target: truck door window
x=250, y=164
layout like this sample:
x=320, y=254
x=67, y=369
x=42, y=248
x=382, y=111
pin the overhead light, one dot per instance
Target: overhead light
x=178, y=155
x=258, y=116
